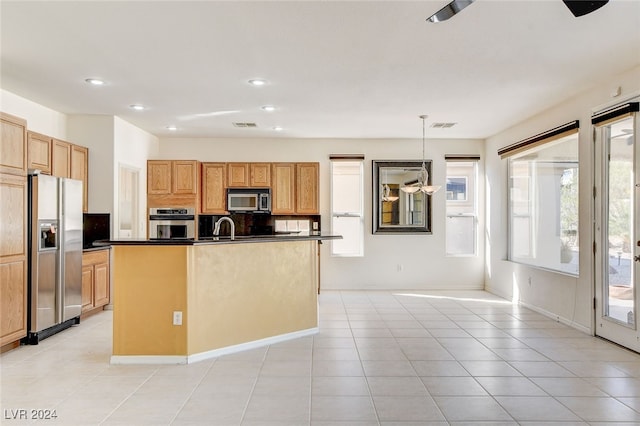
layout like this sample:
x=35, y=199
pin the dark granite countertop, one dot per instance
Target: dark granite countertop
x=220, y=240
x=103, y=246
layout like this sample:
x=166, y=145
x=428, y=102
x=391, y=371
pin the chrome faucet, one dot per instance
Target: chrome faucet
x=216, y=227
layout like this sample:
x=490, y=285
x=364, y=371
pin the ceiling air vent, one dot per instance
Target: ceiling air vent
x=443, y=125
x=245, y=125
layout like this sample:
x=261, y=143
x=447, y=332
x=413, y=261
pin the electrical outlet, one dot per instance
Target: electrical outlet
x=315, y=226
x=177, y=317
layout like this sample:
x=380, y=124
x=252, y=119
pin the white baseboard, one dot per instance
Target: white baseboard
x=148, y=359
x=190, y=359
x=558, y=318
x=251, y=345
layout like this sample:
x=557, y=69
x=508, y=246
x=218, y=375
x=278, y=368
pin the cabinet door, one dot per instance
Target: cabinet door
x=39, y=152
x=283, y=188
x=13, y=145
x=13, y=258
x=101, y=287
x=237, y=175
x=80, y=171
x=185, y=177
x=214, y=188
x=260, y=174
x=158, y=177
x=307, y=188
x=87, y=288
x=61, y=159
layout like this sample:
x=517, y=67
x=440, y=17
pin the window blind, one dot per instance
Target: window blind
x=616, y=113
x=462, y=157
x=540, y=139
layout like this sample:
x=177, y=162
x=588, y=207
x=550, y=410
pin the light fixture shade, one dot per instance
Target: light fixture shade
x=421, y=184
x=430, y=189
x=409, y=189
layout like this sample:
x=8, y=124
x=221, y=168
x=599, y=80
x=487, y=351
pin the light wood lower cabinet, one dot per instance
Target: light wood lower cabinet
x=95, y=280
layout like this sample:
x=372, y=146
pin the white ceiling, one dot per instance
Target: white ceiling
x=343, y=69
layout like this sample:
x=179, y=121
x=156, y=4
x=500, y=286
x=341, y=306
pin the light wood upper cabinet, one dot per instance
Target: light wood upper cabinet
x=283, y=189
x=158, y=177
x=80, y=171
x=260, y=174
x=13, y=145
x=214, y=188
x=172, y=177
x=184, y=177
x=39, y=152
x=307, y=193
x=61, y=159
x=237, y=175
x=294, y=188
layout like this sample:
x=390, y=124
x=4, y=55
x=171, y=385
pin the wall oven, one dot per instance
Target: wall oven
x=172, y=223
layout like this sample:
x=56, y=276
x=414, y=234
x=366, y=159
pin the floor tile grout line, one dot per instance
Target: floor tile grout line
x=364, y=373
x=204, y=375
x=127, y=397
x=470, y=375
x=253, y=387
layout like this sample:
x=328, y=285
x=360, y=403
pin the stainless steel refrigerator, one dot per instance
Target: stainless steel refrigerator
x=55, y=255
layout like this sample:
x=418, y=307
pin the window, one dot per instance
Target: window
x=462, y=217
x=543, y=205
x=347, y=199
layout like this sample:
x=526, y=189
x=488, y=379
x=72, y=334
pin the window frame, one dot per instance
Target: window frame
x=348, y=214
x=475, y=161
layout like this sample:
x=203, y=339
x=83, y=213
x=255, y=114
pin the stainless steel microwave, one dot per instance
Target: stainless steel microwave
x=249, y=200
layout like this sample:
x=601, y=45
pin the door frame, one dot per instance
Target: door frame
x=625, y=334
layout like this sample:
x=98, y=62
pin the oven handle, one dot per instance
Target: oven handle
x=171, y=217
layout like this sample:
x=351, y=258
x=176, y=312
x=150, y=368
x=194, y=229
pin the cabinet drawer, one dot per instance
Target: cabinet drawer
x=95, y=257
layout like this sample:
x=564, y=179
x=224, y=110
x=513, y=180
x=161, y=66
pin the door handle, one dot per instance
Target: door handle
x=636, y=258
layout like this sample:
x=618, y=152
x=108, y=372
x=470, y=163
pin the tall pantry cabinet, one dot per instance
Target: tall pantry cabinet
x=13, y=229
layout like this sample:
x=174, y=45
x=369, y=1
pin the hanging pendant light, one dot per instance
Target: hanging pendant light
x=386, y=191
x=423, y=176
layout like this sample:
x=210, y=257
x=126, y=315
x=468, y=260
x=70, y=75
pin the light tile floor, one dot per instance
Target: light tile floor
x=381, y=358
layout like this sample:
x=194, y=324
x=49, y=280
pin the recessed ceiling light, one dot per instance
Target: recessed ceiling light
x=94, y=81
x=278, y=128
x=268, y=108
x=137, y=107
x=173, y=128
x=257, y=82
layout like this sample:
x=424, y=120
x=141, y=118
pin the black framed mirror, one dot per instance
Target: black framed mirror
x=394, y=209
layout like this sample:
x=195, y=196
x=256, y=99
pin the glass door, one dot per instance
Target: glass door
x=617, y=231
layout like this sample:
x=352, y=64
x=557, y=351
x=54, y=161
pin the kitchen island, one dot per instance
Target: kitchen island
x=181, y=301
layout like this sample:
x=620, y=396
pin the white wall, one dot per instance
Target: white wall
x=111, y=142
x=96, y=133
x=565, y=297
x=39, y=118
x=423, y=260
x=132, y=148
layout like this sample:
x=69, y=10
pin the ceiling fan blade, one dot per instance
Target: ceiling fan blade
x=582, y=7
x=449, y=10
